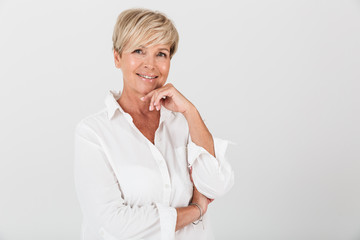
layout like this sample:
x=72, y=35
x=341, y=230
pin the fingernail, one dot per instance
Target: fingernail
x=150, y=108
x=142, y=98
x=157, y=108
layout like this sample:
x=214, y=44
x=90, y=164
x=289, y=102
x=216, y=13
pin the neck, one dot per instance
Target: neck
x=131, y=103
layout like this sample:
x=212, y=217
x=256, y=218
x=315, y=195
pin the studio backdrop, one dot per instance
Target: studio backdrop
x=278, y=78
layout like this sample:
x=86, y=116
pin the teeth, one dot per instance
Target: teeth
x=147, y=77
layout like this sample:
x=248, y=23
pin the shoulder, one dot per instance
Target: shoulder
x=92, y=122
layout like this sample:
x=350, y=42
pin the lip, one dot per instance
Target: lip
x=148, y=74
x=146, y=79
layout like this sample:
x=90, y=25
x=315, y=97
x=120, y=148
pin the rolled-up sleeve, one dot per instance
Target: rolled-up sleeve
x=101, y=201
x=212, y=176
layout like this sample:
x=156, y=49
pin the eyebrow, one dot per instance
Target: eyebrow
x=164, y=49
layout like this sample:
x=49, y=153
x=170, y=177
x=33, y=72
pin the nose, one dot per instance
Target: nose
x=149, y=62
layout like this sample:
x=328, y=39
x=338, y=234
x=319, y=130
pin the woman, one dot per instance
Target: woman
x=146, y=167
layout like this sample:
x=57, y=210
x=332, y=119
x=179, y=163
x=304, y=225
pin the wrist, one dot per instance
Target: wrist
x=199, y=210
x=190, y=110
x=196, y=211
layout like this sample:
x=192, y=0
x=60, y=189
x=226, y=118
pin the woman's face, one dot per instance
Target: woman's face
x=145, y=68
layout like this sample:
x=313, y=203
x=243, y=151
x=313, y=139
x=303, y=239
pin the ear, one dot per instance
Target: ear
x=117, y=59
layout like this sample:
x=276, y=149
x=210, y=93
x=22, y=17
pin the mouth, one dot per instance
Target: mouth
x=147, y=76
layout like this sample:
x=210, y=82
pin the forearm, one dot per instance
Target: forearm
x=186, y=215
x=199, y=133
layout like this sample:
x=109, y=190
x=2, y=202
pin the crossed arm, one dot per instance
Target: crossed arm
x=201, y=136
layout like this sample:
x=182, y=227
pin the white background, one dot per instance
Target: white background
x=279, y=78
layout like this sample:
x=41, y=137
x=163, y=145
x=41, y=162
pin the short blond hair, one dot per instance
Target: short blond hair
x=138, y=26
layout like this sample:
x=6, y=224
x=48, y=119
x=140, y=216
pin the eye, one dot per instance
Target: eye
x=138, y=51
x=161, y=54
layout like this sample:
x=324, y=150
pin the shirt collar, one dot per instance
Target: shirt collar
x=112, y=105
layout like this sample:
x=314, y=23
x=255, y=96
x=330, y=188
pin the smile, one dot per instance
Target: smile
x=145, y=76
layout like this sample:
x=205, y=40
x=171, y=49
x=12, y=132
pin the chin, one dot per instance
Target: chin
x=145, y=90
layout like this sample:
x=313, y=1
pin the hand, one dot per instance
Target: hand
x=200, y=198
x=169, y=97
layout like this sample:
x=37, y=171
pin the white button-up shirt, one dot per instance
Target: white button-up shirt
x=128, y=188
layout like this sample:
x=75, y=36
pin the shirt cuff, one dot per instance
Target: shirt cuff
x=212, y=176
x=168, y=217
x=220, y=146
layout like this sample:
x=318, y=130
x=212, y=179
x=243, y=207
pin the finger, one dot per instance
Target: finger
x=151, y=107
x=163, y=100
x=160, y=95
x=159, y=100
x=157, y=104
x=147, y=96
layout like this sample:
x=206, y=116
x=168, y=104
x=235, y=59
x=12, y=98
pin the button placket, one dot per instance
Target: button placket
x=159, y=159
x=164, y=173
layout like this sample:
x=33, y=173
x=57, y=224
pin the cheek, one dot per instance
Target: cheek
x=130, y=67
x=165, y=68
x=132, y=64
